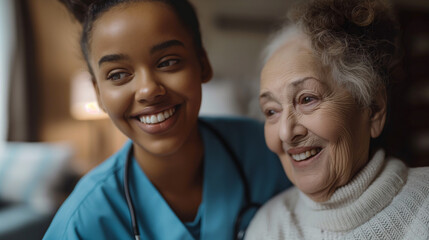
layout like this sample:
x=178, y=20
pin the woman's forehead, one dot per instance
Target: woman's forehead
x=136, y=26
x=294, y=59
x=149, y=16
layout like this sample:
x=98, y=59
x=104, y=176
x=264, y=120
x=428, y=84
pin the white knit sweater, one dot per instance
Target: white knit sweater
x=385, y=200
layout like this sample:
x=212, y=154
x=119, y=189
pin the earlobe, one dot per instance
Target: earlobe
x=206, y=68
x=378, y=113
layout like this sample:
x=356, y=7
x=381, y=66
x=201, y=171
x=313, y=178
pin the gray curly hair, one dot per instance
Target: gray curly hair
x=355, y=38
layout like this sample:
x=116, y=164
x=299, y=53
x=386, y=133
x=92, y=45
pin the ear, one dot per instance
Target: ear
x=378, y=113
x=97, y=94
x=206, y=68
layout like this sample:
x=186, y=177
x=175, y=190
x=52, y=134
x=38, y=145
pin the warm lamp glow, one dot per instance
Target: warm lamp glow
x=84, y=104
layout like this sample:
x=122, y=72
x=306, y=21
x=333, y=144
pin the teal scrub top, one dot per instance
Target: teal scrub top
x=97, y=208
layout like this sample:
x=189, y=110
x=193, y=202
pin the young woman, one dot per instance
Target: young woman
x=179, y=177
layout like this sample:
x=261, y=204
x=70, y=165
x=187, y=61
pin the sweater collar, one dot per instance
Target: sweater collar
x=372, y=189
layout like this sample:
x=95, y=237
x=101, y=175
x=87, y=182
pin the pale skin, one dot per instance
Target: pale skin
x=145, y=63
x=308, y=113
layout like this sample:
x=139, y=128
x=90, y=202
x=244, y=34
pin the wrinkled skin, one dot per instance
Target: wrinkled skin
x=305, y=109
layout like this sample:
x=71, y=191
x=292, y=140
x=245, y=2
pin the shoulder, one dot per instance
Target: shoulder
x=88, y=195
x=407, y=215
x=107, y=174
x=273, y=218
x=420, y=174
x=414, y=195
x=281, y=204
x=417, y=180
x=417, y=186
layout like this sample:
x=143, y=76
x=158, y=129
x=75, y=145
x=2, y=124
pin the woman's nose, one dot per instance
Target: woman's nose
x=291, y=130
x=148, y=87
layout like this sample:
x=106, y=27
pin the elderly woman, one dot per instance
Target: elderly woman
x=323, y=92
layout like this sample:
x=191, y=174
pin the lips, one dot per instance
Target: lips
x=302, y=154
x=157, y=117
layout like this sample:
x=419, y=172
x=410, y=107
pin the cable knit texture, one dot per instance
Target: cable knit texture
x=385, y=200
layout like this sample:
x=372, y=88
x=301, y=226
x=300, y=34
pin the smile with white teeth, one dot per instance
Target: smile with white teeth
x=159, y=117
x=305, y=155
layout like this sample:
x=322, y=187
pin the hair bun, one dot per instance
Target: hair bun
x=351, y=13
x=348, y=17
x=363, y=14
x=78, y=8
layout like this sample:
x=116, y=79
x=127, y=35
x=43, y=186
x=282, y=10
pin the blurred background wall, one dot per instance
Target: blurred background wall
x=58, y=61
x=7, y=39
x=45, y=67
x=234, y=33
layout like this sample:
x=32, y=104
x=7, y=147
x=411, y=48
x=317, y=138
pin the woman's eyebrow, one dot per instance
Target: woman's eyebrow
x=266, y=96
x=154, y=49
x=165, y=45
x=302, y=80
x=298, y=84
x=112, y=58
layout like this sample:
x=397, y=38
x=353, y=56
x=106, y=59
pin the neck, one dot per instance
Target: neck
x=177, y=170
x=178, y=176
x=352, y=205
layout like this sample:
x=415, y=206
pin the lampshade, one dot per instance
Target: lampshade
x=84, y=104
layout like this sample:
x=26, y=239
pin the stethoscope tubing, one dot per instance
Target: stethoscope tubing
x=128, y=196
x=239, y=234
x=248, y=204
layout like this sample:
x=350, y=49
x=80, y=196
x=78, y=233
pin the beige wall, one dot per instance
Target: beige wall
x=58, y=59
x=234, y=56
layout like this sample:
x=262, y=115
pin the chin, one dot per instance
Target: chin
x=160, y=148
x=309, y=184
x=314, y=185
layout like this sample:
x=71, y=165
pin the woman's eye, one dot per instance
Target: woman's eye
x=269, y=113
x=117, y=76
x=307, y=99
x=168, y=63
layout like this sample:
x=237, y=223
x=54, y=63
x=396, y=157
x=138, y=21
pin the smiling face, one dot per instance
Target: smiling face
x=315, y=127
x=148, y=76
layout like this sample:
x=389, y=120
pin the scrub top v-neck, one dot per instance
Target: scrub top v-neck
x=97, y=208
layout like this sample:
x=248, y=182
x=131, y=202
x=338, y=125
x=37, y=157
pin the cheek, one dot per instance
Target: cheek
x=334, y=119
x=331, y=123
x=187, y=84
x=340, y=146
x=116, y=101
x=336, y=124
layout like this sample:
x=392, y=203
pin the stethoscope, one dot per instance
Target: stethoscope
x=249, y=205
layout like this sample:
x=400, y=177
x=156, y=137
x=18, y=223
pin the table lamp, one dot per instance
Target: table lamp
x=84, y=104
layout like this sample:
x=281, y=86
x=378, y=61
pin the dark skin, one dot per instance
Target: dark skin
x=139, y=76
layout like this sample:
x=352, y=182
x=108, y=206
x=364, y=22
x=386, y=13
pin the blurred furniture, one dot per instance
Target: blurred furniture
x=83, y=100
x=32, y=176
x=84, y=107
x=222, y=97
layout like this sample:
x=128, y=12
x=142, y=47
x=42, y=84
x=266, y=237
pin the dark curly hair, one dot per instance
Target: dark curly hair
x=87, y=11
x=356, y=38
